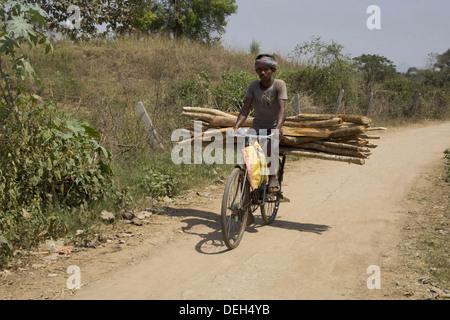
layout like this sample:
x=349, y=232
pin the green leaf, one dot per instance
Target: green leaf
x=20, y=27
x=91, y=131
x=3, y=240
x=74, y=126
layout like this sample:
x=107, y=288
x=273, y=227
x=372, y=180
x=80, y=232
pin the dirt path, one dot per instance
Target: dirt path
x=341, y=220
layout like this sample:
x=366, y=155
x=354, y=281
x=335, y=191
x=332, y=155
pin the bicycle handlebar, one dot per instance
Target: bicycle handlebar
x=246, y=135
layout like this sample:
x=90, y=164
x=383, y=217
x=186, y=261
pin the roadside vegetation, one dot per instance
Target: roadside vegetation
x=72, y=142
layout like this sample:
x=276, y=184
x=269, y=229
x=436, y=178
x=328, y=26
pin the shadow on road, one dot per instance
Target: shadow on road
x=211, y=241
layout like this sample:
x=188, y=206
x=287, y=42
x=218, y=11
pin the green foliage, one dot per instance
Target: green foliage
x=118, y=16
x=202, y=20
x=227, y=95
x=328, y=71
x=375, y=69
x=230, y=94
x=254, y=48
x=52, y=168
x=20, y=24
x=194, y=91
x=156, y=184
x=49, y=164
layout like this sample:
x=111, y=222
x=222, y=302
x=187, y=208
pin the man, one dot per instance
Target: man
x=268, y=97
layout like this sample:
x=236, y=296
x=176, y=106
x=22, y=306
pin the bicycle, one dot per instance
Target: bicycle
x=238, y=200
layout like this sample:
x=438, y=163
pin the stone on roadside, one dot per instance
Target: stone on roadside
x=107, y=216
x=136, y=221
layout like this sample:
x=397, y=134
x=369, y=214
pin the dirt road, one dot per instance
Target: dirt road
x=341, y=219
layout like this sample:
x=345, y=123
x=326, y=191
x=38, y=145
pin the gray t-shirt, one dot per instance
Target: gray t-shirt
x=265, y=103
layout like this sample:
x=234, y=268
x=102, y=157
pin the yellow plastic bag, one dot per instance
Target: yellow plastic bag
x=256, y=162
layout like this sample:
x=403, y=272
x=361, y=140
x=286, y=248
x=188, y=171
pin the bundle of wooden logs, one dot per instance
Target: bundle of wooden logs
x=338, y=137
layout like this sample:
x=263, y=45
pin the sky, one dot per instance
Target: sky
x=409, y=29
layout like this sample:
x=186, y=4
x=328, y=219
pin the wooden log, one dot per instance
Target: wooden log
x=229, y=121
x=333, y=150
x=210, y=111
x=376, y=129
x=343, y=146
x=320, y=155
x=309, y=117
x=313, y=124
x=345, y=117
x=307, y=132
x=330, y=133
x=351, y=140
x=365, y=136
x=346, y=132
x=202, y=135
x=198, y=116
x=296, y=141
x=190, y=125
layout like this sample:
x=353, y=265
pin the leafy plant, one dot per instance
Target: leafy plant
x=229, y=95
x=52, y=168
x=49, y=164
x=21, y=23
x=157, y=184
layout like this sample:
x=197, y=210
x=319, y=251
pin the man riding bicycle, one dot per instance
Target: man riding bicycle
x=268, y=97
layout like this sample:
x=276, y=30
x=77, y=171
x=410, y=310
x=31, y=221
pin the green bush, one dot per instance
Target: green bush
x=157, y=184
x=230, y=94
x=52, y=169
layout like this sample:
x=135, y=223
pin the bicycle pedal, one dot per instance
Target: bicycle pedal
x=284, y=199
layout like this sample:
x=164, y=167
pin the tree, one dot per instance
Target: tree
x=375, y=68
x=443, y=61
x=438, y=72
x=20, y=24
x=117, y=16
x=202, y=20
x=329, y=70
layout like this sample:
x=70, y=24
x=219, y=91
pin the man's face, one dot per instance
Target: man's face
x=265, y=73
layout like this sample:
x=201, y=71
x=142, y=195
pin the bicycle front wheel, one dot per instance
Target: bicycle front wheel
x=235, y=207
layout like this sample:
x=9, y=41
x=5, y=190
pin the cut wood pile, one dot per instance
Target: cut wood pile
x=338, y=137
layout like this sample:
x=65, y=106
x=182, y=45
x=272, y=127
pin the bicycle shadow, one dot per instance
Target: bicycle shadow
x=212, y=242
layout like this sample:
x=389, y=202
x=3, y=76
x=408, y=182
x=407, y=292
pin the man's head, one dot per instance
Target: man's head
x=265, y=60
x=265, y=66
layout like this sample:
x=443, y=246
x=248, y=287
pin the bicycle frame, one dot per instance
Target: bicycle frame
x=280, y=170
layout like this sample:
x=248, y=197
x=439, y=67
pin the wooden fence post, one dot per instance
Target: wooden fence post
x=368, y=104
x=297, y=104
x=338, y=103
x=152, y=134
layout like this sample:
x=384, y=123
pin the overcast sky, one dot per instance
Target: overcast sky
x=410, y=29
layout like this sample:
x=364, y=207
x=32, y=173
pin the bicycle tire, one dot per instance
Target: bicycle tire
x=235, y=208
x=270, y=207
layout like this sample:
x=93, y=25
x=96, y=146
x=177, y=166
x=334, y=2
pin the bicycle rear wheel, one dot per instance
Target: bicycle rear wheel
x=270, y=207
x=271, y=204
x=235, y=208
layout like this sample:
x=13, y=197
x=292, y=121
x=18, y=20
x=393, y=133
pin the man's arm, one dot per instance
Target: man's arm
x=243, y=114
x=281, y=114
